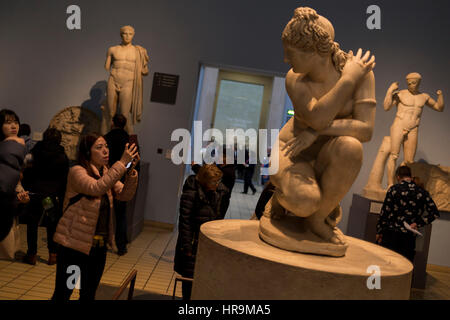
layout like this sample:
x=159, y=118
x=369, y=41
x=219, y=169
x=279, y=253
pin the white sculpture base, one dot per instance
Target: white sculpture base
x=374, y=193
x=234, y=263
x=291, y=233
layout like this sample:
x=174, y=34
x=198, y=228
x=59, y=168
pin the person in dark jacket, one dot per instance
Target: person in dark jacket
x=406, y=207
x=45, y=179
x=265, y=196
x=24, y=133
x=249, y=170
x=203, y=199
x=229, y=175
x=12, y=154
x=117, y=138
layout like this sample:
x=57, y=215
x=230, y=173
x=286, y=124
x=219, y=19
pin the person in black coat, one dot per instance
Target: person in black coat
x=265, y=196
x=12, y=154
x=229, y=175
x=117, y=138
x=47, y=177
x=249, y=170
x=204, y=199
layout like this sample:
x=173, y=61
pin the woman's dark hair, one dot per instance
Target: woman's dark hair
x=52, y=135
x=403, y=172
x=24, y=130
x=119, y=121
x=84, y=152
x=4, y=114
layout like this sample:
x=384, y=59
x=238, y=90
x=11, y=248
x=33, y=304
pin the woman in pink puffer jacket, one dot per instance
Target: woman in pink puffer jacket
x=87, y=223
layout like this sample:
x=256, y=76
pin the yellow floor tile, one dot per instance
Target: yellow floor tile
x=19, y=285
x=9, y=294
x=30, y=277
x=23, y=282
x=14, y=290
x=10, y=271
x=43, y=295
x=30, y=297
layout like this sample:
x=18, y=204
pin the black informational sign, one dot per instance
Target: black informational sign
x=164, y=88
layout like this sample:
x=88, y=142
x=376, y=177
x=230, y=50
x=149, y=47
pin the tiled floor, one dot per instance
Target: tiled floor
x=151, y=254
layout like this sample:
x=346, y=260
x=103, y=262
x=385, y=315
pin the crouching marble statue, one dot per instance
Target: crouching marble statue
x=127, y=64
x=320, y=148
x=404, y=131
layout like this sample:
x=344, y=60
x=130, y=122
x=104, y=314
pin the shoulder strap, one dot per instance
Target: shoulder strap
x=74, y=200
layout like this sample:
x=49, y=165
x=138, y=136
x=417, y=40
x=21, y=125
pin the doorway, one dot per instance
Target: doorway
x=239, y=98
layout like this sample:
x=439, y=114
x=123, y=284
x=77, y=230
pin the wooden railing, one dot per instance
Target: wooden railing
x=131, y=279
x=182, y=279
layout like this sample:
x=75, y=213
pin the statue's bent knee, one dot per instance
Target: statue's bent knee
x=301, y=201
x=393, y=156
x=349, y=148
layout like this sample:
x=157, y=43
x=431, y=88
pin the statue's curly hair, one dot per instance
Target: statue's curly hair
x=308, y=32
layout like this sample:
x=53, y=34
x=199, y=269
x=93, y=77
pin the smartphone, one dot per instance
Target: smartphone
x=133, y=139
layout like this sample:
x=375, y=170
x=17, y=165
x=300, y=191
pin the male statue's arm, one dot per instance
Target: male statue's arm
x=391, y=97
x=145, y=59
x=319, y=113
x=436, y=105
x=108, y=59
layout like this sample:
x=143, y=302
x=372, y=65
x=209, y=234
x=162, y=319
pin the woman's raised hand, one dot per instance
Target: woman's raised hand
x=134, y=162
x=356, y=67
x=17, y=139
x=129, y=154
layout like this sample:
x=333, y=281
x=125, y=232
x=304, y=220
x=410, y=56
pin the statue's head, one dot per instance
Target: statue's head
x=312, y=34
x=127, y=34
x=413, y=80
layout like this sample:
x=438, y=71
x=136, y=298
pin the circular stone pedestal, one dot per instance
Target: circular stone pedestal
x=234, y=263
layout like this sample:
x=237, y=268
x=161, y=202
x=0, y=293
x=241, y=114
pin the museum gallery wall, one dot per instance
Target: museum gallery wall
x=45, y=67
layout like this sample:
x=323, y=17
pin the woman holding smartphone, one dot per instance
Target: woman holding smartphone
x=87, y=222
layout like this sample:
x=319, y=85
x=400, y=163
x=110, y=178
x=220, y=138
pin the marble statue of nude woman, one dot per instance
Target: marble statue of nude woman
x=320, y=148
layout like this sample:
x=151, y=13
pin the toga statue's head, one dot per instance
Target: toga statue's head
x=126, y=28
x=127, y=34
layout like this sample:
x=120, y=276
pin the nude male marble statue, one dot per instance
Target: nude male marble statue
x=404, y=131
x=405, y=127
x=127, y=64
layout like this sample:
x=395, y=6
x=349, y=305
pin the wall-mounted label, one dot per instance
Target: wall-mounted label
x=37, y=136
x=164, y=88
x=375, y=207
